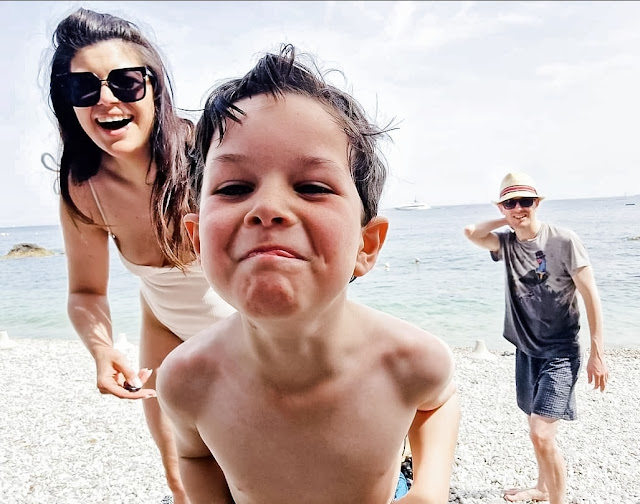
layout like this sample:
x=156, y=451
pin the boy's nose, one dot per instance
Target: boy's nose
x=270, y=207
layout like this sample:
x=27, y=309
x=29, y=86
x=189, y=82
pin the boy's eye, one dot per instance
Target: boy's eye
x=234, y=190
x=313, y=189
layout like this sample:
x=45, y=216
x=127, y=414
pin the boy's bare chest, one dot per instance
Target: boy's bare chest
x=355, y=427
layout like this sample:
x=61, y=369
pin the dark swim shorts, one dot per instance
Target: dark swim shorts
x=546, y=387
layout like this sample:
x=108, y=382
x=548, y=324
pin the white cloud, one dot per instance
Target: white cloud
x=477, y=87
x=518, y=19
x=565, y=75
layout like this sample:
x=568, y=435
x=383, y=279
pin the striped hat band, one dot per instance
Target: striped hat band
x=518, y=188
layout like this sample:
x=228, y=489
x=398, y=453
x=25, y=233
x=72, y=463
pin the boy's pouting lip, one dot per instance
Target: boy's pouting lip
x=272, y=251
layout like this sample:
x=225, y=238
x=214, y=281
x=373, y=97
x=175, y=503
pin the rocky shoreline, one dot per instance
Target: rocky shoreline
x=62, y=442
x=21, y=250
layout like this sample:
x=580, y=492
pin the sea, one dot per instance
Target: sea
x=428, y=274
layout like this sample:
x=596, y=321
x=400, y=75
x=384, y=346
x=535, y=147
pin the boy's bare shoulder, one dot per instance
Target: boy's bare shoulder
x=409, y=338
x=191, y=364
x=421, y=361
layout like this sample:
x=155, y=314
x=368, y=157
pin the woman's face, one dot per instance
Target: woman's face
x=122, y=130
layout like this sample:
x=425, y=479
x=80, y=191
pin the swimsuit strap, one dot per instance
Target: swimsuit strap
x=95, y=198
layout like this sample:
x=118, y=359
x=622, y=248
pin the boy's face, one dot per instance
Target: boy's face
x=279, y=229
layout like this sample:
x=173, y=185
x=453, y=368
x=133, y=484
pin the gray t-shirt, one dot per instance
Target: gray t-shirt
x=542, y=317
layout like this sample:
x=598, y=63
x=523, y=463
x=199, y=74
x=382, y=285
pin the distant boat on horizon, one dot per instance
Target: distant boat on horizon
x=416, y=205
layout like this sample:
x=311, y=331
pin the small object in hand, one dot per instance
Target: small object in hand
x=130, y=387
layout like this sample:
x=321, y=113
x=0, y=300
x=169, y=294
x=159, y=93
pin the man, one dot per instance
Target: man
x=545, y=265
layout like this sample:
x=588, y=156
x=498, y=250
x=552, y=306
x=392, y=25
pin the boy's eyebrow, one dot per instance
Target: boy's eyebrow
x=302, y=160
x=316, y=160
x=229, y=158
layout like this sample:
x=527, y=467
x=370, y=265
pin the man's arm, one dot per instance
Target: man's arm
x=481, y=234
x=597, y=370
x=203, y=480
x=433, y=436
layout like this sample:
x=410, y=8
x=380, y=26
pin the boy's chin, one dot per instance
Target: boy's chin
x=272, y=301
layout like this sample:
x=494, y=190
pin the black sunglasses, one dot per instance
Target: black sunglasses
x=510, y=204
x=82, y=89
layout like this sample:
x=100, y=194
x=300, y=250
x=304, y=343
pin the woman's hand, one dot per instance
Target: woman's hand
x=113, y=372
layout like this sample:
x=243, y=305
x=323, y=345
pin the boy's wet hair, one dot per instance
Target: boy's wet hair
x=278, y=74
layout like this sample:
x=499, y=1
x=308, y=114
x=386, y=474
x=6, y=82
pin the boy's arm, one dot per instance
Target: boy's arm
x=432, y=437
x=481, y=234
x=203, y=480
x=597, y=371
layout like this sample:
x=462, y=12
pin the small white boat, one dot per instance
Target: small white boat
x=416, y=205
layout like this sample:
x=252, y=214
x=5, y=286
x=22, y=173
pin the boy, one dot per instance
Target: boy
x=303, y=396
x=545, y=266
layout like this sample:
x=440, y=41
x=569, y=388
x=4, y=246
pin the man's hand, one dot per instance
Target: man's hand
x=597, y=372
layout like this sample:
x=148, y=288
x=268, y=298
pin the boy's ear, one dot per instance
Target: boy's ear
x=373, y=236
x=191, y=222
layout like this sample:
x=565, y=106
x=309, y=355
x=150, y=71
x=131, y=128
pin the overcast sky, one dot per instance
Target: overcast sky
x=477, y=88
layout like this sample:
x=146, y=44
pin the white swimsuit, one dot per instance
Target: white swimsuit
x=182, y=301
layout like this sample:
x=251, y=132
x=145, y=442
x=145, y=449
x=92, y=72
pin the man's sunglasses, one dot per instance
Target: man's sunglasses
x=510, y=204
x=82, y=89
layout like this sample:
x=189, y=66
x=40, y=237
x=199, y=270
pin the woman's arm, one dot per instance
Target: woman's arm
x=87, y=251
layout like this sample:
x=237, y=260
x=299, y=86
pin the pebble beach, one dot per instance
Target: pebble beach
x=62, y=442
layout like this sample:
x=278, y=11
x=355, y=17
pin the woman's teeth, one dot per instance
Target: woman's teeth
x=114, y=122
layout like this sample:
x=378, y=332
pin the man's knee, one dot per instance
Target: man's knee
x=543, y=433
x=542, y=441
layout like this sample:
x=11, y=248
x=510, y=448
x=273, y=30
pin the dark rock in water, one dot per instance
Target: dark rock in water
x=27, y=250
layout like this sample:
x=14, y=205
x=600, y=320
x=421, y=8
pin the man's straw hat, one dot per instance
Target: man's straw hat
x=517, y=185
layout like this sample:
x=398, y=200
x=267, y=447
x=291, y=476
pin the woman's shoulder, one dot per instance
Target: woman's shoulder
x=81, y=195
x=80, y=192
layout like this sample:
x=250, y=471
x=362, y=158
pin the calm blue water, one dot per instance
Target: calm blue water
x=453, y=289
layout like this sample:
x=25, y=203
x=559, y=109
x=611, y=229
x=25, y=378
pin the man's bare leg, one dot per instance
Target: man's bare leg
x=551, y=484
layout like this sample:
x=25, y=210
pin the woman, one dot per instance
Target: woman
x=124, y=173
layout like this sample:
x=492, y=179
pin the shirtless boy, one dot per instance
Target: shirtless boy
x=303, y=396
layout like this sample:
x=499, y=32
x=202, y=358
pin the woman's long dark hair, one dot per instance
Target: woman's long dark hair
x=171, y=138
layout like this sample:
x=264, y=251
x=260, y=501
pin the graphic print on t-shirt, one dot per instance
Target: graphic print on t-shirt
x=542, y=315
x=538, y=275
